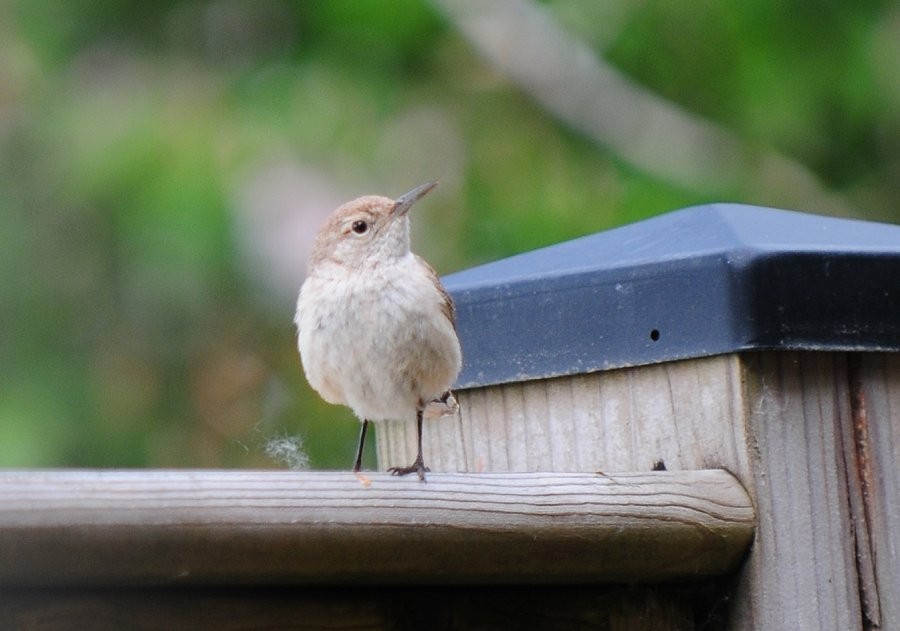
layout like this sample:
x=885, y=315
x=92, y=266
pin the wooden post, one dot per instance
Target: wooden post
x=757, y=341
x=810, y=435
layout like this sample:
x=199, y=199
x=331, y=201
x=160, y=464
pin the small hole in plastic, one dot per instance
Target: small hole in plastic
x=654, y=335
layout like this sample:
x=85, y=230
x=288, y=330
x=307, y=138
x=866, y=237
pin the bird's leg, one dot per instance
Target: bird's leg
x=359, y=450
x=418, y=466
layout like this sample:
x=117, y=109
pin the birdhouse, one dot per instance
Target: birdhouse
x=759, y=341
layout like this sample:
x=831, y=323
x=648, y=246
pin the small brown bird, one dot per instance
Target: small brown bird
x=376, y=328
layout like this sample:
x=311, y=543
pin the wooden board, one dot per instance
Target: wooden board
x=802, y=573
x=248, y=528
x=875, y=391
x=688, y=415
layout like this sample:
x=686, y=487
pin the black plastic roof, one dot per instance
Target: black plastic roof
x=696, y=282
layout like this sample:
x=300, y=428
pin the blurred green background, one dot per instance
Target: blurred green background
x=164, y=165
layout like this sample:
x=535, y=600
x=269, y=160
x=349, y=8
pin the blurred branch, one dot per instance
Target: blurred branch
x=523, y=41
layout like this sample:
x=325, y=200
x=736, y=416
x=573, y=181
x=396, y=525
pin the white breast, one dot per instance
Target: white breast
x=377, y=341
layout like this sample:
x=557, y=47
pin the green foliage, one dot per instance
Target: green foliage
x=133, y=330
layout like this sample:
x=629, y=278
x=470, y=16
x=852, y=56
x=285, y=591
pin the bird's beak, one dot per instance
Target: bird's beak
x=405, y=201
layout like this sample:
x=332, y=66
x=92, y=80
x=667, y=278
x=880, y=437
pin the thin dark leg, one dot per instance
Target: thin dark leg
x=418, y=466
x=419, y=460
x=359, y=450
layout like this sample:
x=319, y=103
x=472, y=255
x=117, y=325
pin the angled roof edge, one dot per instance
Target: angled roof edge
x=696, y=282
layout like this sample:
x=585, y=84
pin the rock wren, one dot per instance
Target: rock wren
x=375, y=326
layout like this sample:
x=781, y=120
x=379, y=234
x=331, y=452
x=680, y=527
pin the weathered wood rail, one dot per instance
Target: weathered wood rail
x=170, y=528
x=275, y=550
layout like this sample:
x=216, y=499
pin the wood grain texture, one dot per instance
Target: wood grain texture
x=877, y=441
x=688, y=415
x=812, y=436
x=802, y=573
x=214, y=527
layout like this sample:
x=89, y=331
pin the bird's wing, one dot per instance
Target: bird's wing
x=447, y=307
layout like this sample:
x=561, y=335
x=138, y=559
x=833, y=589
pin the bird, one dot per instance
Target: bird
x=376, y=329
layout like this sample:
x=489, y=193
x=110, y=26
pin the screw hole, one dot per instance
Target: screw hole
x=654, y=335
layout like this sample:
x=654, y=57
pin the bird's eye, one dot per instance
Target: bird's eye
x=360, y=227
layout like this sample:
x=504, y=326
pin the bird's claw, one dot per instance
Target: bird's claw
x=418, y=467
x=445, y=405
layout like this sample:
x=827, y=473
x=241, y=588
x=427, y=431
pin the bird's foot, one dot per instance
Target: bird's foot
x=445, y=405
x=418, y=467
x=363, y=479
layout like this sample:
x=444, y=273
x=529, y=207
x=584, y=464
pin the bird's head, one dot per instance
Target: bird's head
x=367, y=231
